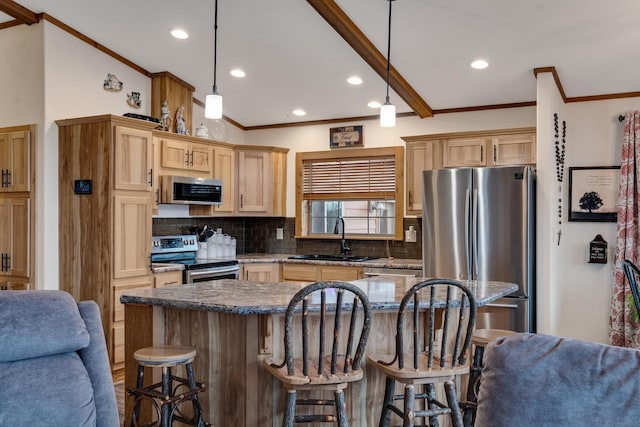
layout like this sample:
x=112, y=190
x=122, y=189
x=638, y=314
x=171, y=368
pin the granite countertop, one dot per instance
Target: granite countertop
x=247, y=297
x=414, y=264
x=410, y=264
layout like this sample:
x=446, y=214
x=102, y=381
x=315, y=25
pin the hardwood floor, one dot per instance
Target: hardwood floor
x=119, y=386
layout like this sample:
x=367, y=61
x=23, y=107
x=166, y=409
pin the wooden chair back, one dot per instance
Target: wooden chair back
x=356, y=334
x=448, y=316
x=633, y=274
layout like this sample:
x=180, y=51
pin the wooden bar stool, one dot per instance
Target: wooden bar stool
x=164, y=397
x=479, y=340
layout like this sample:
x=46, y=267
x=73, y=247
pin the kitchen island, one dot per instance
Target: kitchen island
x=234, y=325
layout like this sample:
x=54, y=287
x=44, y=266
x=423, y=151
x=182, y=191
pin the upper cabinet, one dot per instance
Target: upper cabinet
x=261, y=181
x=133, y=159
x=185, y=156
x=468, y=149
x=15, y=161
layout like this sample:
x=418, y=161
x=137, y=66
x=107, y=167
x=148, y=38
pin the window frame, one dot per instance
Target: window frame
x=396, y=151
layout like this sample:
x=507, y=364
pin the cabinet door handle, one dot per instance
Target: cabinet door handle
x=410, y=199
x=241, y=201
x=8, y=258
x=2, y=177
x=157, y=196
x=495, y=158
x=186, y=160
x=191, y=157
x=4, y=263
x=151, y=177
x=481, y=154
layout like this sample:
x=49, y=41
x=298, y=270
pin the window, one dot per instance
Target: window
x=364, y=187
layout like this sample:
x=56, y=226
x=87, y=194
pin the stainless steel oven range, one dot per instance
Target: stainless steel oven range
x=183, y=250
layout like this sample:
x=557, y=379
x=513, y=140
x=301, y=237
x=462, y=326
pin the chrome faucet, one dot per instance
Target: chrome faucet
x=343, y=244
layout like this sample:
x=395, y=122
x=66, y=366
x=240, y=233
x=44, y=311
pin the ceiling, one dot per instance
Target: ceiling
x=295, y=59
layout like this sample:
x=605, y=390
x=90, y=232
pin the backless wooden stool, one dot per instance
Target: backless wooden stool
x=479, y=340
x=167, y=396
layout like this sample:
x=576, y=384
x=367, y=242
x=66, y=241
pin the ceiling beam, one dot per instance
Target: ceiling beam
x=19, y=12
x=348, y=30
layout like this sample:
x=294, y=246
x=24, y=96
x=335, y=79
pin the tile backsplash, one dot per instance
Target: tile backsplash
x=258, y=235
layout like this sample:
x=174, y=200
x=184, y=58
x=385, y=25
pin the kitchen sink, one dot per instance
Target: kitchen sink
x=345, y=258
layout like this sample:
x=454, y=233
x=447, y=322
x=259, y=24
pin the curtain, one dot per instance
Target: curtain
x=623, y=329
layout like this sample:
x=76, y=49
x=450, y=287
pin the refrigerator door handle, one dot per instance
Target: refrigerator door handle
x=474, y=231
x=467, y=231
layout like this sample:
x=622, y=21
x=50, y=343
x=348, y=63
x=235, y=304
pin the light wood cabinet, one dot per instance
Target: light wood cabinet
x=105, y=236
x=15, y=236
x=261, y=272
x=464, y=149
x=14, y=285
x=17, y=195
x=514, y=149
x=224, y=170
x=15, y=161
x=421, y=156
x=303, y=273
x=464, y=152
x=261, y=181
x=182, y=156
x=167, y=278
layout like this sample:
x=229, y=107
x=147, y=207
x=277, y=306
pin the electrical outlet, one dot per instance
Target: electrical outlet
x=279, y=233
x=410, y=235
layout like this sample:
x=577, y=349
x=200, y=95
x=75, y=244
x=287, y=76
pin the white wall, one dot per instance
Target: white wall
x=316, y=138
x=573, y=295
x=74, y=73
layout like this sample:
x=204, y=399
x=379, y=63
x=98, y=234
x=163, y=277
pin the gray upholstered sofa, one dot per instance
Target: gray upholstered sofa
x=541, y=380
x=54, y=368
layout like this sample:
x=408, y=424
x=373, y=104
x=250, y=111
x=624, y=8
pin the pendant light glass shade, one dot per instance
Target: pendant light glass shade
x=213, y=103
x=388, y=115
x=213, y=106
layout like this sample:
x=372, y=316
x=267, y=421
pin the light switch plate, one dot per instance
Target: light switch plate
x=279, y=233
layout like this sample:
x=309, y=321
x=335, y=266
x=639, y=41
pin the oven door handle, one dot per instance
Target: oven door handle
x=213, y=272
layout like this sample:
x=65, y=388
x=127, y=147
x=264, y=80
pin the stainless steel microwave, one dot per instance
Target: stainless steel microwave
x=186, y=190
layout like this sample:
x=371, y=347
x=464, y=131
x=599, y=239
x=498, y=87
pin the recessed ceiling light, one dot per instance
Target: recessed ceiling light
x=237, y=72
x=354, y=80
x=479, y=64
x=374, y=104
x=179, y=34
x=299, y=112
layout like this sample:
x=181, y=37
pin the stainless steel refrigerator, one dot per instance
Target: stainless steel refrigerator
x=479, y=223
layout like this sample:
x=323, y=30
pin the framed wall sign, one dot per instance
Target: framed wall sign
x=348, y=136
x=593, y=193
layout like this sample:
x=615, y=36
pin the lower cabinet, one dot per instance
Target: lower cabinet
x=261, y=272
x=116, y=338
x=167, y=278
x=14, y=285
x=306, y=273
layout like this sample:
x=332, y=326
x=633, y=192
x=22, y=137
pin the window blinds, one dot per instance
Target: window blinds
x=372, y=178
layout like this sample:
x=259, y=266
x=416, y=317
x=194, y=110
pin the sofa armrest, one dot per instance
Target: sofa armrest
x=541, y=380
x=96, y=361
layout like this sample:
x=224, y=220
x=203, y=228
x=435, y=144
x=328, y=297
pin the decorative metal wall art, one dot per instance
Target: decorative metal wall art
x=134, y=100
x=112, y=83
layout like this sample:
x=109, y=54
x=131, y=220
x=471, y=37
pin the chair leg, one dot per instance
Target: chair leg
x=290, y=410
x=389, y=390
x=456, y=415
x=341, y=409
x=409, y=400
x=166, y=390
x=431, y=396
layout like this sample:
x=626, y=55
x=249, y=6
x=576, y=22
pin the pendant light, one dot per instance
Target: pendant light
x=213, y=103
x=388, y=110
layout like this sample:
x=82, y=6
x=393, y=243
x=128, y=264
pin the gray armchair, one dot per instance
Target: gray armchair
x=54, y=368
x=541, y=380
